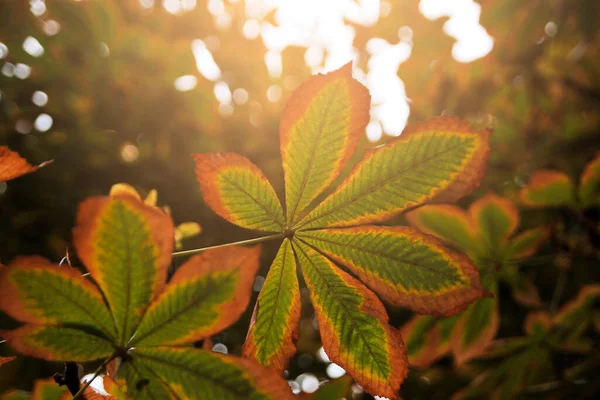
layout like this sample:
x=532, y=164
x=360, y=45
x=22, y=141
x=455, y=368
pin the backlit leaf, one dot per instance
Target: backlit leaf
x=320, y=127
x=12, y=165
x=589, y=185
x=47, y=389
x=188, y=373
x=6, y=360
x=402, y=265
x=477, y=327
x=578, y=309
x=57, y=343
x=127, y=247
x=206, y=295
x=354, y=325
x=35, y=291
x=238, y=191
x=428, y=338
x=440, y=160
x=548, y=188
x=273, y=332
x=447, y=222
x=526, y=243
x=495, y=218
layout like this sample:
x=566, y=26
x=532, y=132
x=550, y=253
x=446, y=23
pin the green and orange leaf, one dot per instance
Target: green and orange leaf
x=127, y=247
x=526, y=243
x=35, y=291
x=548, y=188
x=12, y=165
x=320, y=127
x=47, y=389
x=184, y=373
x=354, y=325
x=238, y=191
x=447, y=222
x=205, y=296
x=273, y=331
x=578, y=309
x=6, y=360
x=427, y=338
x=476, y=328
x=495, y=219
x=440, y=160
x=58, y=343
x=589, y=184
x=403, y=266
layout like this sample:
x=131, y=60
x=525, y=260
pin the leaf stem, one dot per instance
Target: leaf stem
x=242, y=242
x=79, y=394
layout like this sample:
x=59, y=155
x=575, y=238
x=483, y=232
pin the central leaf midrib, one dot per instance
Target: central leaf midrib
x=347, y=312
x=373, y=188
x=312, y=154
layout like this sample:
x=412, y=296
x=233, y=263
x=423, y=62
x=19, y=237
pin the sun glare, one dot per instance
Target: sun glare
x=322, y=28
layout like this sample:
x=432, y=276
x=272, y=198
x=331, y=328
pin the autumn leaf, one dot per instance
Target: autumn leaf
x=439, y=160
x=12, y=165
x=6, y=360
x=130, y=312
x=487, y=233
x=549, y=188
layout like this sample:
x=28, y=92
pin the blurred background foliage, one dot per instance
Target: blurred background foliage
x=124, y=91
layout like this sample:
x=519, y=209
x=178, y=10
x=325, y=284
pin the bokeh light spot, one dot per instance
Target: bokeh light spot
x=33, y=47
x=129, y=152
x=39, y=98
x=185, y=83
x=43, y=122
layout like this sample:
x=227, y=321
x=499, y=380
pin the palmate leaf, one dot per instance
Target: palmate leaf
x=440, y=160
x=150, y=326
x=12, y=165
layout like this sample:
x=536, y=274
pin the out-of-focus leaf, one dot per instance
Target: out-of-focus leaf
x=527, y=242
x=186, y=230
x=495, y=219
x=320, y=127
x=332, y=390
x=476, y=328
x=447, y=222
x=238, y=191
x=12, y=165
x=47, y=389
x=273, y=332
x=548, y=188
x=403, y=266
x=6, y=360
x=589, y=184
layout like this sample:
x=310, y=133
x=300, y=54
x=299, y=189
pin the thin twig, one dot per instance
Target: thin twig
x=79, y=394
x=2, y=341
x=249, y=241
